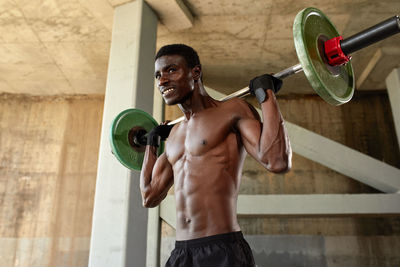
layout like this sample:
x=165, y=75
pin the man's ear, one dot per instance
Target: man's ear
x=196, y=72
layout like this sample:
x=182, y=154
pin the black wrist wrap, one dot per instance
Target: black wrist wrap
x=153, y=140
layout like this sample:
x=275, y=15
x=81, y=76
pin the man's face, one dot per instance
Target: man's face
x=174, y=78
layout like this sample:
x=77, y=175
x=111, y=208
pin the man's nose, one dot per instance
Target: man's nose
x=163, y=80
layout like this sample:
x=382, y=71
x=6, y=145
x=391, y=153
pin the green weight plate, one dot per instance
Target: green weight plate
x=123, y=127
x=311, y=29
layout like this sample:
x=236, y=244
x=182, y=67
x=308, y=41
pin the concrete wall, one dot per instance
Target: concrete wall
x=364, y=124
x=48, y=163
x=48, y=158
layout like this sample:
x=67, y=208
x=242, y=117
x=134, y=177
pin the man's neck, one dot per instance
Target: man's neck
x=196, y=102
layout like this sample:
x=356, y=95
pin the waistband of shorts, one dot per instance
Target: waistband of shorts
x=227, y=237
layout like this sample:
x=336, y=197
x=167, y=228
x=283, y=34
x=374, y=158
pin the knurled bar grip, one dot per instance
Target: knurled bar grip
x=371, y=35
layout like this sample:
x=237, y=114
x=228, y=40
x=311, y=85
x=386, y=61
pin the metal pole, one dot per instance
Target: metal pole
x=246, y=91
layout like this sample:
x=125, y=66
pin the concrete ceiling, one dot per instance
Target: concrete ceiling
x=51, y=47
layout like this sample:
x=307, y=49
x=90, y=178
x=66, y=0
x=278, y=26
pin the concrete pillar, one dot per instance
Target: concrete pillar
x=393, y=88
x=119, y=230
x=154, y=220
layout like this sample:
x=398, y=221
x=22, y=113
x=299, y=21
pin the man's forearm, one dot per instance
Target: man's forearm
x=156, y=177
x=149, y=160
x=274, y=145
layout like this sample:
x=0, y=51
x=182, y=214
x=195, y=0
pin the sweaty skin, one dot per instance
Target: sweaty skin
x=204, y=154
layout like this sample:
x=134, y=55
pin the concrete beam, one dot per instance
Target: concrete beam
x=319, y=205
x=368, y=69
x=344, y=160
x=174, y=14
x=393, y=88
x=304, y=205
x=340, y=158
x=154, y=225
x=153, y=238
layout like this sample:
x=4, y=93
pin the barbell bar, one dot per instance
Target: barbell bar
x=246, y=91
x=352, y=44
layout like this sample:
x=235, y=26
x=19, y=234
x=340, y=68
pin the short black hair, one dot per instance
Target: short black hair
x=187, y=52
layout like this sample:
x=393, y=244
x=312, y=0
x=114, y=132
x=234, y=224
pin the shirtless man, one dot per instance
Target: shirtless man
x=204, y=157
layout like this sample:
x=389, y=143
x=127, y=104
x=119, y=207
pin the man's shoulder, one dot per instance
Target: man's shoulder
x=235, y=102
x=240, y=106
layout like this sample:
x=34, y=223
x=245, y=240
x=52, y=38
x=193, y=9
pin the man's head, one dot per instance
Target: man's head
x=187, y=52
x=178, y=72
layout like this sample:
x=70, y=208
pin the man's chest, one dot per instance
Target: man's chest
x=200, y=135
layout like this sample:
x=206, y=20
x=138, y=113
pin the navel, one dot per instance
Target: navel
x=204, y=142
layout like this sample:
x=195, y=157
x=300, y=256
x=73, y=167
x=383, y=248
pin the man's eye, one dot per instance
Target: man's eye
x=171, y=70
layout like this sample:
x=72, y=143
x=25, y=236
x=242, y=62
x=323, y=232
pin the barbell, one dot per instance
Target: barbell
x=323, y=57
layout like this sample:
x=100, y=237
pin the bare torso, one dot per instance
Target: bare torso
x=207, y=156
x=204, y=154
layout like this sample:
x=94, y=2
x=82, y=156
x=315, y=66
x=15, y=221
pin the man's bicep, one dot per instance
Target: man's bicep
x=249, y=127
x=250, y=130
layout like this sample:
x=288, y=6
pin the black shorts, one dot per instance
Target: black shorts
x=230, y=250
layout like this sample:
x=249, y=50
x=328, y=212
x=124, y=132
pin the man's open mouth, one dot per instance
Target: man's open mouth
x=167, y=91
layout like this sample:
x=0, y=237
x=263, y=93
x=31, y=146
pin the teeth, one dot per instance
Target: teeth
x=168, y=90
